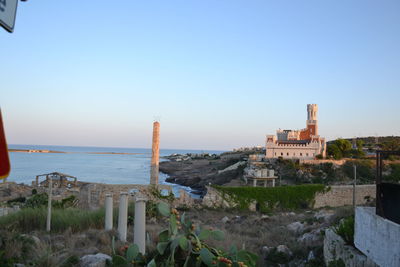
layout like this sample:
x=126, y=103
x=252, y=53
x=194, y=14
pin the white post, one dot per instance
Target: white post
x=273, y=182
x=50, y=183
x=109, y=212
x=139, y=230
x=254, y=182
x=123, y=216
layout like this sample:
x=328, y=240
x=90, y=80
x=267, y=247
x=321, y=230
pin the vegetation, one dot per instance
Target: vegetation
x=30, y=219
x=341, y=148
x=270, y=198
x=184, y=245
x=345, y=229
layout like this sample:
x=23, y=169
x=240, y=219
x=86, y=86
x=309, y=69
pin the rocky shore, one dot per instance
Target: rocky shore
x=198, y=170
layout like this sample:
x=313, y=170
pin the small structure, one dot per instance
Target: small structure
x=262, y=175
x=59, y=180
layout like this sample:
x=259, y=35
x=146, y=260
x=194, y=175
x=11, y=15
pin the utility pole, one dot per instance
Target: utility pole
x=354, y=185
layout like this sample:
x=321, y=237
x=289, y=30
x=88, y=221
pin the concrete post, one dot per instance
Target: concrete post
x=254, y=182
x=139, y=230
x=123, y=216
x=155, y=153
x=273, y=182
x=109, y=212
x=48, y=222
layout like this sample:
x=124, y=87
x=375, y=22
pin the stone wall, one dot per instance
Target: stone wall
x=335, y=248
x=340, y=195
x=376, y=237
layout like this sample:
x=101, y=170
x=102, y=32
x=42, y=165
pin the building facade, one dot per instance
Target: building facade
x=298, y=144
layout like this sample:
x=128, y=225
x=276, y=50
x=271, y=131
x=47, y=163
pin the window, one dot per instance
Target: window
x=301, y=154
x=275, y=153
x=281, y=154
x=287, y=154
x=307, y=154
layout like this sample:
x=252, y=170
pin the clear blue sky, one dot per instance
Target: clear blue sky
x=219, y=74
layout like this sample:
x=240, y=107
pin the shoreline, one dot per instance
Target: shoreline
x=64, y=152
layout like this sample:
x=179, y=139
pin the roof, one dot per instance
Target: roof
x=294, y=142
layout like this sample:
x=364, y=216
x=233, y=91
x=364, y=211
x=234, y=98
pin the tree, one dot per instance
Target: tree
x=344, y=146
x=391, y=145
x=334, y=151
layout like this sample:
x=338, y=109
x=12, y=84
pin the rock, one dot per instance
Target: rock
x=284, y=249
x=98, y=260
x=324, y=215
x=296, y=227
x=225, y=219
x=19, y=265
x=265, y=250
x=311, y=256
x=310, y=238
x=264, y=217
x=89, y=250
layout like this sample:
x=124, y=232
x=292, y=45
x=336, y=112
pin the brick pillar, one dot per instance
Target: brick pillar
x=155, y=153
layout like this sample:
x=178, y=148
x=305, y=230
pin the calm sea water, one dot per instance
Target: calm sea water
x=99, y=168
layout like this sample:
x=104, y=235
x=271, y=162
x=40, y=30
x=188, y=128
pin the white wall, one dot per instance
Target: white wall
x=377, y=238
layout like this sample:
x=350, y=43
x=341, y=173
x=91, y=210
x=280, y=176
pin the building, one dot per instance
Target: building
x=298, y=144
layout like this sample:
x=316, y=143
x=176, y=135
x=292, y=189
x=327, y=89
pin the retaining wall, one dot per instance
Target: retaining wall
x=340, y=195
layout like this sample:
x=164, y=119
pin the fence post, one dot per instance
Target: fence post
x=48, y=223
x=139, y=230
x=123, y=216
x=109, y=212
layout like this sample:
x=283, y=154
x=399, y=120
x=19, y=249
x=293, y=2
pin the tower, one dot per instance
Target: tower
x=312, y=126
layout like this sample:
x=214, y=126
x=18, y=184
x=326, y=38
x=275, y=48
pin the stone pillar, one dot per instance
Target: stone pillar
x=123, y=216
x=265, y=183
x=139, y=230
x=254, y=182
x=273, y=182
x=109, y=212
x=48, y=222
x=155, y=153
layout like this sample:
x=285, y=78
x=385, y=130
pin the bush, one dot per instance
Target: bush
x=346, y=230
x=269, y=198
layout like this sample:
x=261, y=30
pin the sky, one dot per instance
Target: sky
x=217, y=74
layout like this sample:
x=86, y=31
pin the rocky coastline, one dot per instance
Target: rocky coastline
x=198, y=170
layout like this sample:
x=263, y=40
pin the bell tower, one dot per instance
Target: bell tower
x=312, y=125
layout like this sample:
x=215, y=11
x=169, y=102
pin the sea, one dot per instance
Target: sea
x=132, y=168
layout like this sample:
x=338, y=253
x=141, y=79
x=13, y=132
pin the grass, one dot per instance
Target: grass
x=31, y=219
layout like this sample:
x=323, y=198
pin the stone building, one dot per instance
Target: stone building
x=298, y=144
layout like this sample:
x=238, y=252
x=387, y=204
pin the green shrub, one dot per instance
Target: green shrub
x=346, y=230
x=270, y=198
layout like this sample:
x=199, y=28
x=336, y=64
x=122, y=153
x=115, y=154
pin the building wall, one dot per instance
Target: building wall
x=377, y=238
x=274, y=150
